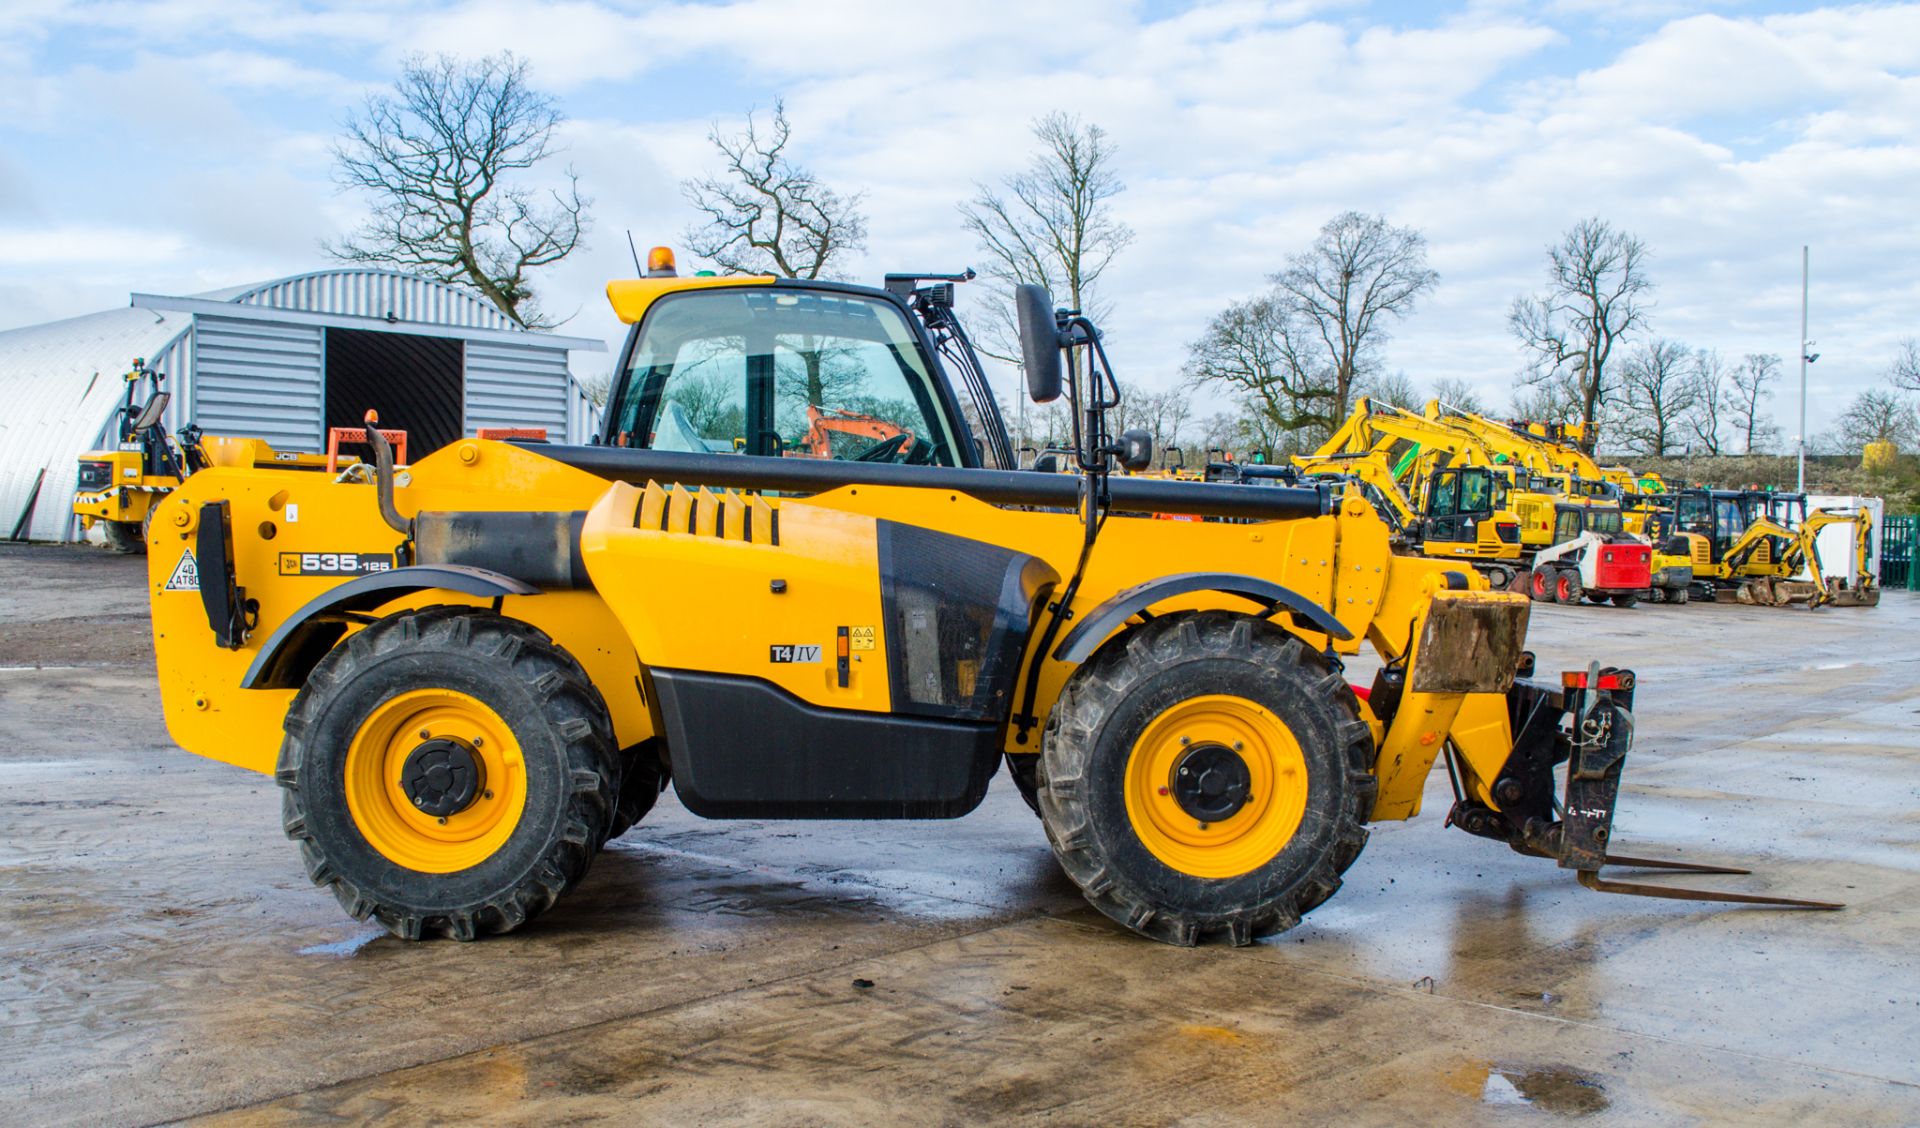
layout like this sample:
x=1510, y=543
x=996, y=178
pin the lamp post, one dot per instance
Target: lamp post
x=1800, y=480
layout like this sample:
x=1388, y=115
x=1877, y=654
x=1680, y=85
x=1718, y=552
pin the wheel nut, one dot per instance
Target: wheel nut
x=1238, y=745
x=1163, y=791
x=1186, y=740
x=489, y=794
x=441, y=821
x=424, y=734
x=478, y=741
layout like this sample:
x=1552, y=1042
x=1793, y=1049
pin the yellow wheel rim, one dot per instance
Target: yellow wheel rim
x=1276, y=793
x=388, y=818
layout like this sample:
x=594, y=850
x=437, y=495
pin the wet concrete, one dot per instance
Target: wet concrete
x=162, y=957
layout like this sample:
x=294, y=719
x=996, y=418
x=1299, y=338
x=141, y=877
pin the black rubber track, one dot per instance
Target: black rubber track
x=566, y=739
x=1109, y=701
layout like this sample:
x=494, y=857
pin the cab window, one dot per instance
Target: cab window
x=1566, y=525
x=1445, y=498
x=1604, y=520
x=1476, y=491
x=782, y=372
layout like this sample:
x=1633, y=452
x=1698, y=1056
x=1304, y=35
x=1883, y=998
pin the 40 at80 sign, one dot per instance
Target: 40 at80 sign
x=334, y=563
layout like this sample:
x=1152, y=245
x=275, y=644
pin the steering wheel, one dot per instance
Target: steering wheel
x=884, y=450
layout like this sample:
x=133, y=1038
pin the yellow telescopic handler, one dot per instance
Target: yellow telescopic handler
x=468, y=674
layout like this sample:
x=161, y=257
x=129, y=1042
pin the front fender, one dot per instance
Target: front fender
x=1106, y=618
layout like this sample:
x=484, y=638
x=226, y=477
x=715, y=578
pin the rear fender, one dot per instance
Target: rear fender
x=298, y=643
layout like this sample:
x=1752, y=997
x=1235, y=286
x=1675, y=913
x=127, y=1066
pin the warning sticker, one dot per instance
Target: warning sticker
x=784, y=654
x=860, y=638
x=186, y=574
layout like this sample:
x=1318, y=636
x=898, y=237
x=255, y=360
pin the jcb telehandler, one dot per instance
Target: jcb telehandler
x=468, y=674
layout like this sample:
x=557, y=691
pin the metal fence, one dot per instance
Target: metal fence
x=1900, y=553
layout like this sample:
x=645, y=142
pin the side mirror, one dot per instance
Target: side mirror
x=1039, y=342
x=1135, y=450
x=150, y=414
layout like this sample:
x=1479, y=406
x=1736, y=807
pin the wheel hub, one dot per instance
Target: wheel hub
x=1211, y=782
x=442, y=776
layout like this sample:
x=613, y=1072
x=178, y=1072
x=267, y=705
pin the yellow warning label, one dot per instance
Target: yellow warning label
x=861, y=638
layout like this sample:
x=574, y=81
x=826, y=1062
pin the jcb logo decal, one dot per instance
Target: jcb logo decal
x=784, y=654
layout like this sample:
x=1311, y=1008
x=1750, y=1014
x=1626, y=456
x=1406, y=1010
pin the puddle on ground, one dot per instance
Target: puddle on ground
x=348, y=947
x=1553, y=1088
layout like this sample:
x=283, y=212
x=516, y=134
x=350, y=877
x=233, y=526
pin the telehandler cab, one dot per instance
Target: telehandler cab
x=469, y=673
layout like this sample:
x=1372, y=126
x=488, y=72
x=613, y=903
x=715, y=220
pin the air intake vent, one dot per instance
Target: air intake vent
x=729, y=515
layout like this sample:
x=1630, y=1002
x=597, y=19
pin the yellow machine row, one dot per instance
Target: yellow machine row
x=468, y=673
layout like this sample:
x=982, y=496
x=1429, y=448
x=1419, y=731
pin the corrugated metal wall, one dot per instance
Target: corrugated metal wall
x=259, y=378
x=378, y=294
x=517, y=386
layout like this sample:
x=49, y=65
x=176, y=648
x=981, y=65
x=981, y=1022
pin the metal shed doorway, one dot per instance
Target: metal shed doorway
x=416, y=383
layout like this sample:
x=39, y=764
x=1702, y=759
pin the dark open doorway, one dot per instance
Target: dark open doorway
x=415, y=383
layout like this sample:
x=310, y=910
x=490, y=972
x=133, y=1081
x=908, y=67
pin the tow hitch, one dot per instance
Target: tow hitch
x=1587, y=725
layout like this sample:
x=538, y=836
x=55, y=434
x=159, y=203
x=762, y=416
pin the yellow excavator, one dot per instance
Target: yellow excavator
x=1456, y=495
x=1743, y=554
x=1558, y=464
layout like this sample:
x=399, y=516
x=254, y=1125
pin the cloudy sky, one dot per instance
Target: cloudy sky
x=181, y=145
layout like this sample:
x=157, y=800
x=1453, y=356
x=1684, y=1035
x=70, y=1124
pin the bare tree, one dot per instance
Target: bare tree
x=441, y=157
x=767, y=215
x=1390, y=387
x=1879, y=416
x=1596, y=296
x=1269, y=358
x=1554, y=400
x=1051, y=225
x=1360, y=273
x=1163, y=414
x=1750, y=379
x=1904, y=373
x=1712, y=401
x=1659, y=381
x=1458, y=393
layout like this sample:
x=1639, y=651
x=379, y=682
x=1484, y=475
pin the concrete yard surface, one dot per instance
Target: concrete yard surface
x=163, y=957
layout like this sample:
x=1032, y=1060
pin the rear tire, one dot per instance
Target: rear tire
x=517, y=704
x=1625, y=600
x=123, y=537
x=1025, y=771
x=1679, y=595
x=642, y=778
x=1110, y=730
x=1567, y=587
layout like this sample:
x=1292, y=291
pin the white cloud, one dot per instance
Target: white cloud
x=1725, y=140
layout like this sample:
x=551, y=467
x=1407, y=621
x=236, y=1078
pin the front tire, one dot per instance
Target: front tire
x=448, y=772
x=1208, y=691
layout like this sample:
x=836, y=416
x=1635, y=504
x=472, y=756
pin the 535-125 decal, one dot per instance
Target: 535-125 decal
x=334, y=563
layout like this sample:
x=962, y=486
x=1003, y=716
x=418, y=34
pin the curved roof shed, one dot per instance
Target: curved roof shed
x=282, y=360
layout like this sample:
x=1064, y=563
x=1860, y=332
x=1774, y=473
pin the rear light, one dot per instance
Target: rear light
x=94, y=475
x=1608, y=555
x=1577, y=679
x=1508, y=531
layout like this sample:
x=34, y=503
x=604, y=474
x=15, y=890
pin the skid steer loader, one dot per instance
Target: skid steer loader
x=469, y=673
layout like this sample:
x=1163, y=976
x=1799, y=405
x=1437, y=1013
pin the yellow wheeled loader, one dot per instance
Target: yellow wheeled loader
x=469, y=673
